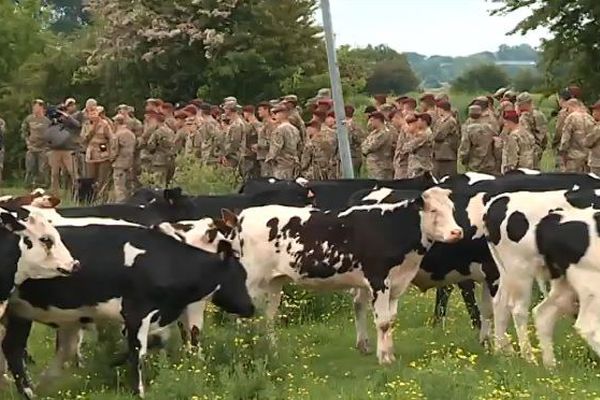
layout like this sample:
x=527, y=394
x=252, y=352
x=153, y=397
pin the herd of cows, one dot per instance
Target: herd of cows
x=161, y=256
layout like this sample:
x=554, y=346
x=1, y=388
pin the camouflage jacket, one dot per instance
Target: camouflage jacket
x=2, y=133
x=572, y=143
x=284, y=145
x=377, y=149
x=560, y=124
x=356, y=135
x=232, y=141
x=536, y=125
x=319, y=156
x=592, y=141
x=476, y=150
x=420, y=153
x=264, y=137
x=446, y=136
x=123, y=148
x=207, y=140
x=33, y=130
x=98, y=139
x=518, y=150
x=250, y=139
x=160, y=145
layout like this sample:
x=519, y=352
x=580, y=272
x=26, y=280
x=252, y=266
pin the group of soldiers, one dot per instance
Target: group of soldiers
x=403, y=138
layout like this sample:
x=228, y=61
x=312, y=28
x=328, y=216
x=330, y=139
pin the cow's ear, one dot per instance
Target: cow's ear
x=224, y=250
x=172, y=194
x=229, y=218
x=418, y=203
x=8, y=221
x=222, y=226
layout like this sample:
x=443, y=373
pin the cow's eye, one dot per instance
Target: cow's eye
x=27, y=242
x=47, y=241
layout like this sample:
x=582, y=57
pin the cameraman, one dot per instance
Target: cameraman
x=63, y=141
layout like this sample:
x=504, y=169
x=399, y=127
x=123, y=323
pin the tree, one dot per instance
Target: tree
x=527, y=80
x=575, y=45
x=484, y=77
x=392, y=76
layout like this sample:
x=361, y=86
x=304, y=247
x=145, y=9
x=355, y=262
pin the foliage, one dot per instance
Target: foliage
x=193, y=177
x=571, y=55
x=485, y=77
x=392, y=76
x=527, y=80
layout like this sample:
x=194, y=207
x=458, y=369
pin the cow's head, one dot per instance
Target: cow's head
x=437, y=216
x=43, y=254
x=204, y=234
x=232, y=295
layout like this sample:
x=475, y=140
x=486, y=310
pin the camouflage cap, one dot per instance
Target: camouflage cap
x=524, y=98
x=231, y=106
x=100, y=109
x=70, y=101
x=290, y=97
x=427, y=97
x=39, y=101
x=280, y=107
x=500, y=92
x=510, y=94
x=230, y=99
x=324, y=92
x=387, y=107
x=122, y=107
x=274, y=102
x=475, y=109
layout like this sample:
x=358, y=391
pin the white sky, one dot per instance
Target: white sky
x=430, y=27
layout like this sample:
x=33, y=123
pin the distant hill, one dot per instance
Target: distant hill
x=435, y=70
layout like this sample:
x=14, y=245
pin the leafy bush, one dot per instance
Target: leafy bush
x=484, y=77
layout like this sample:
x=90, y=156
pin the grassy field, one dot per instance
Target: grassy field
x=314, y=358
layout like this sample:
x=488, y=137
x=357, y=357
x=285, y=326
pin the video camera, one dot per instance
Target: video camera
x=54, y=113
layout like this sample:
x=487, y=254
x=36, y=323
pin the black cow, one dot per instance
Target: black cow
x=135, y=275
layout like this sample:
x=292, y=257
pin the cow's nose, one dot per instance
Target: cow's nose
x=456, y=234
x=76, y=266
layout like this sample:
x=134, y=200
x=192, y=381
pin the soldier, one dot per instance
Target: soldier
x=487, y=113
x=232, y=136
x=380, y=100
x=534, y=122
x=2, y=141
x=208, y=138
x=64, y=140
x=578, y=125
x=264, y=135
x=33, y=131
x=249, y=167
x=400, y=160
x=291, y=101
x=356, y=135
x=181, y=130
x=476, y=150
x=409, y=106
x=592, y=141
x=283, y=154
x=419, y=145
x=74, y=125
x=519, y=149
x=328, y=136
x=446, y=137
x=160, y=145
x=563, y=97
x=122, y=155
x=97, y=154
x=152, y=106
x=427, y=104
x=319, y=149
x=377, y=148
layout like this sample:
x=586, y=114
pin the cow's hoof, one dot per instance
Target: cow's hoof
x=363, y=346
x=549, y=363
x=28, y=393
x=386, y=358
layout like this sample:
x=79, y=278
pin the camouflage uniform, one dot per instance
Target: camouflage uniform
x=97, y=154
x=2, y=144
x=400, y=161
x=296, y=120
x=489, y=118
x=356, y=135
x=249, y=167
x=283, y=151
x=142, y=146
x=207, y=141
x=420, y=153
x=377, y=149
x=518, y=151
x=560, y=124
x=476, y=150
x=592, y=141
x=264, y=137
x=160, y=145
x=536, y=125
x=317, y=156
x=572, y=147
x=137, y=127
x=232, y=141
x=123, y=153
x=446, y=137
x=33, y=131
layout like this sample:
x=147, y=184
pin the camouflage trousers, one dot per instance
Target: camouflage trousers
x=537, y=157
x=595, y=170
x=443, y=168
x=36, y=168
x=284, y=172
x=575, y=165
x=60, y=161
x=121, y=180
x=265, y=168
x=415, y=172
x=1, y=164
x=161, y=175
x=356, y=164
x=249, y=168
x=380, y=173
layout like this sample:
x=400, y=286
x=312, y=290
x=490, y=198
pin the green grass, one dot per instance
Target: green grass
x=316, y=360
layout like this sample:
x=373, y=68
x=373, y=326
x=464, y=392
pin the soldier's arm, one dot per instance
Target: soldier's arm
x=374, y=143
x=541, y=125
x=414, y=143
x=592, y=137
x=442, y=131
x=306, y=156
x=560, y=123
x=275, y=145
x=25, y=128
x=511, y=156
x=565, y=139
x=465, y=147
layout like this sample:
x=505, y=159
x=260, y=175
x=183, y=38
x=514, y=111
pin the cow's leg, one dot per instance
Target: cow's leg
x=442, y=295
x=67, y=348
x=361, y=301
x=274, y=291
x=467, y=290
x=584, y=280
x=501, y=317
x=487, y=314
x=137, y=324
x=561, y=300
x=519, y=302
x=193, y=322
x=13, y=346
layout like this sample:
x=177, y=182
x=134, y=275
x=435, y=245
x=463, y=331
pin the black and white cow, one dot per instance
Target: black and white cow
x=131, y=274
x=513, y=227
x=375, y=247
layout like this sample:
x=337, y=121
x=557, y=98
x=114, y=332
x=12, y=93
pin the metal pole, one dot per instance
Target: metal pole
x=338, y=97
